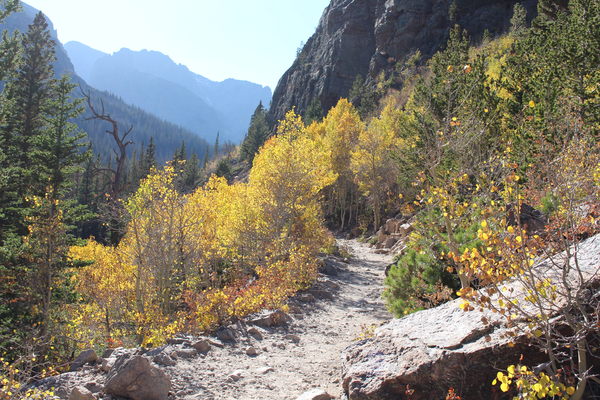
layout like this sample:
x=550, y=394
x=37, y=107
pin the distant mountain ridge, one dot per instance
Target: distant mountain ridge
x=167, y=136
x=155, y=83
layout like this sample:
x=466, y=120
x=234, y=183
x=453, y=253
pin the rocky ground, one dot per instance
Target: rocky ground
x=282, y=361
x=306, y=353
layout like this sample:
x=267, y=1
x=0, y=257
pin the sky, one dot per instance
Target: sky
x=219, y=39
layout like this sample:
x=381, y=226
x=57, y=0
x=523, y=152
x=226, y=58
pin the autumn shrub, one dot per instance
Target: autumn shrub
x=16, y=376
x=558, y=290
x=195, y=261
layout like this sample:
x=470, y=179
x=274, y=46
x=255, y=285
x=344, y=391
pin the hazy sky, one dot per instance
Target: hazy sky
x=242, y=39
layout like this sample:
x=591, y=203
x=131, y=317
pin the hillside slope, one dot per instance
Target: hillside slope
x=167, y=136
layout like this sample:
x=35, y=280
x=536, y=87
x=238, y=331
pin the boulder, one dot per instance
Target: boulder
x=85, y=357
x=135, y=378
x=430, y=351
x=315, y=394
x=81, y=393
x=405, y=229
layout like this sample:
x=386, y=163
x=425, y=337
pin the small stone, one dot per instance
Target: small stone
x=177, y=340
x=236, y=375
x=293, y=338
x=315, y=394
x=321, y=294
x=272, y=320
x=215, y=343
x=164, y=359
x=85, y=357
x=107, y=353
x=265, y=370
x=255, y=333
x=93, y=387
x=225, y=334
x=81, y=393
x=251, y=351
x=186, y=353
x=155, y=352
x=306, y=298
x=106, y=364
x=202, y=346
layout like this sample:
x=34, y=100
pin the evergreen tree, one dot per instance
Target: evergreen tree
x=191, y=175
x=149, y=159
x=28, y=91
x=23, y=105
x=216, y=149
x=206, y=159
x=224, y=169
x=314, y=112
x=258, y=132
x=548, y=11
x=518, y=22
x=59, y=152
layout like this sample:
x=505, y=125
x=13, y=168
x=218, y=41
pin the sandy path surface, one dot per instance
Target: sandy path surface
x=305, y=354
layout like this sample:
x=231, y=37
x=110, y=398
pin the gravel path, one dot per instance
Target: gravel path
x=303, y=355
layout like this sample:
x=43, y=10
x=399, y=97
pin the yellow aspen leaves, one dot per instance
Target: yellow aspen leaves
x=222, y=252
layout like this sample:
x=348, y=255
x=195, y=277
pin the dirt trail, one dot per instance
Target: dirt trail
x=285, y=367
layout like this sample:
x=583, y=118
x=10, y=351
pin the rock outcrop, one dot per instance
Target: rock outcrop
x=365, y=37
x=430, y=351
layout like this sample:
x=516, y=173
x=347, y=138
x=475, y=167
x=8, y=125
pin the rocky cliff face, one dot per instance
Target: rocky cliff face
x=364, y=37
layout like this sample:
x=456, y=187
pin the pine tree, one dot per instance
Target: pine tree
x=548, y=10
x=22, y=109
x=314, y=112
x=149, y=158
x=191, y=175
x=59, y=151
x=29, y=90
x=206, y=158
x=518, y=22
x=258, y=132
x=217, y=148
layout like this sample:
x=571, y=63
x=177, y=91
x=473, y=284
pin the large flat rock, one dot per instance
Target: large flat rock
x=430, y=351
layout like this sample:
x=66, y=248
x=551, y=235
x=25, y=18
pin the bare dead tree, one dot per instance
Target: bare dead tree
x=120, y=141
